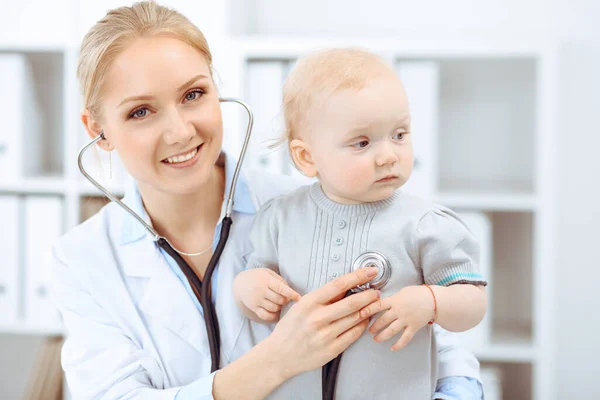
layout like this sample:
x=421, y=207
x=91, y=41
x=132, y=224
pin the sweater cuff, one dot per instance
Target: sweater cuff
x=454, y=274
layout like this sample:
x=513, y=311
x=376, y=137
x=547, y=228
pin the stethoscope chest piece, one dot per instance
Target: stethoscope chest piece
x=373, y=259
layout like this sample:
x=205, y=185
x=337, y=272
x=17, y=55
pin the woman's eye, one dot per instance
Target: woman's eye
x=193, y=95
x=361, y=145
x=139, y=113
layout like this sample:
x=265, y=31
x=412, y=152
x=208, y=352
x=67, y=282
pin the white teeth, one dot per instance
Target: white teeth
x=185, y=157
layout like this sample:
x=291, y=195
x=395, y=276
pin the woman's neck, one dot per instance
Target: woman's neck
x=187, y=220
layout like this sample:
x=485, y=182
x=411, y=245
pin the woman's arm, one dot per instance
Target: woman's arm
x=313, y=332
x=102, y=361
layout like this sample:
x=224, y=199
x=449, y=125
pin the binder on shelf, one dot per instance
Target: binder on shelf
x=46, y=377
x=264, y=87
x=479, y=223
x=43, y=225
x=20, y=150
x=91, y=205
x=422, y=83
x=10, y=238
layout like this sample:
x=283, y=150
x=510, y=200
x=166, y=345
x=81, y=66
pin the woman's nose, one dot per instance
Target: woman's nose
x=177, y=129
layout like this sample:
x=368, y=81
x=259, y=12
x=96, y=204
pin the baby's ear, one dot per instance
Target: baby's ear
x=302, y=158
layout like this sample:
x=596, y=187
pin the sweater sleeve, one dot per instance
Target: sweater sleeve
x=447, y=250
x=264, y=238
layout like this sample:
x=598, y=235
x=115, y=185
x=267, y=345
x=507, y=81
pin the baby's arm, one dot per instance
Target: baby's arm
x=453, y=295
x=460, y=307
x=448, y=254
x=260, y=291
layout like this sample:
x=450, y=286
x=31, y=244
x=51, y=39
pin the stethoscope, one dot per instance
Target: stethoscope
x=330, y=370
x=203, y=291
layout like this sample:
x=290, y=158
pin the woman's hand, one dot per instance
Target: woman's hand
x=323, y=324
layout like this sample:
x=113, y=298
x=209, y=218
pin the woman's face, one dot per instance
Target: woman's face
x=162, y=114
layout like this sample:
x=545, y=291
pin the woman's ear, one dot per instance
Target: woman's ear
x=302, y=158
x=94, y=129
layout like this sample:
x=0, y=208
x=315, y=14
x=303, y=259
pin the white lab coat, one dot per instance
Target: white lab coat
x=133, y=329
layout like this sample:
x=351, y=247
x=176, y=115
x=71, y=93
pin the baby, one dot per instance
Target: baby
x=348, y=124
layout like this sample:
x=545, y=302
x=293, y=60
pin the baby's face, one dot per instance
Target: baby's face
x=361, y=143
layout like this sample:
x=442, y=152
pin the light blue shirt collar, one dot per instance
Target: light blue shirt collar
x=132, y=230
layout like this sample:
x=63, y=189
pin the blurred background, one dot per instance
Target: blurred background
x=505, y=100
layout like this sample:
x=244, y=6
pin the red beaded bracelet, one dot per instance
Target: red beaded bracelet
x=434, y=305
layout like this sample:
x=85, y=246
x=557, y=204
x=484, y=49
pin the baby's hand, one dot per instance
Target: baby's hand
x=263, y=292
x=410, y=309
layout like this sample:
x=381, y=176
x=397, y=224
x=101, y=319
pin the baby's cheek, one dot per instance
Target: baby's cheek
x=354, y=177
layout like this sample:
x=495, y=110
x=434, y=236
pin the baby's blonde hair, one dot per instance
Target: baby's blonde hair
x=119, y=28
x=319, y=75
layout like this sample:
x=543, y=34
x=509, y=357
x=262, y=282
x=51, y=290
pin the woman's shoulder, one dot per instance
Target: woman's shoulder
x=265, y=186
x=99, y=228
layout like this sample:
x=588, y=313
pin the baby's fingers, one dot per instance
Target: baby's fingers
x=384, y=320
x=270, y=306
x=282, y=288
x=389, y=332
x=265, y=315
x=406, y=337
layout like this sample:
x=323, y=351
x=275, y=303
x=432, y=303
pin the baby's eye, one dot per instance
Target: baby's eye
x=193, y=95
x=361, y=145
x=399, y=136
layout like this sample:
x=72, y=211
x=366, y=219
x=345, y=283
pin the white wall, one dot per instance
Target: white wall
x=578, y=342
x=578, y=324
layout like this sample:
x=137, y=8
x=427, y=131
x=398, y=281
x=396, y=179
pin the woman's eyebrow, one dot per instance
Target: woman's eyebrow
x=194, y=79
x=146, y=97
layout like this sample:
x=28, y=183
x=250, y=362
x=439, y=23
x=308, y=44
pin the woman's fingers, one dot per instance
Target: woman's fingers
x=334, y=289
x=349, y=336
x=350, y=305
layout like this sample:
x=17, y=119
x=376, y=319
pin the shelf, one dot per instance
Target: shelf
x=85, y=188
x=38, y=47
x=490, y=201
x=516, y=347
x=22, y=328
x=285, y=47
x=49, y=185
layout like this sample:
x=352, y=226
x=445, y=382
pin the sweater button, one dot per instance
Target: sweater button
x=335, y=256
x=341, y=224
x=339, y=241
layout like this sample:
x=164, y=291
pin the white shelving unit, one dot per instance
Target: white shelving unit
x=494, y=153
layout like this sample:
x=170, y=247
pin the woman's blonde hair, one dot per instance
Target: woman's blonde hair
x=119, y=28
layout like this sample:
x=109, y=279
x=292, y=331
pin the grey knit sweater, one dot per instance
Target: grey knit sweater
x=310, y=240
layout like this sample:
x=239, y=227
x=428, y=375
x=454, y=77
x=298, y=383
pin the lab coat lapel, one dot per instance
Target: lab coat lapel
x=232, y=262
x=163, y=297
